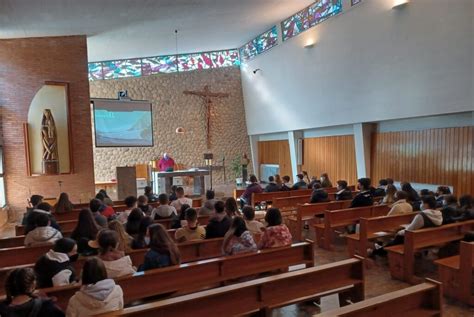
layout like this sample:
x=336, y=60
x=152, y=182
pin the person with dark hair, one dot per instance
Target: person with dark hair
x=192, y=230
x=164, y=210
x=150, y=195
x=450, y=210
x=96, y=206
x=173, y=196
x=115, y=261
x=208, y=207
x=219, y=223
x=133, y=222
x=163, y=251
x=182, y=217
x=319, y=195
x=43, y=234
x=143, y=205
x=85, y=231
x=400, y=206
x=312, y=181
x=180, y=199
x=343, y=192
x=21, y=299
x=413, y=197
x=231, y=207
x=441, y=192
x=278, y=180
x=253, y=187
x=300, y=183
x=131, y=203
x=428, y=217
x=98, y=293
x=63, y=205
x=55, y=268
x=286, y=186
x=34, y=201
x=238, y=239
x=255, y=227
x=41, y=208
x=389, y=197
x=325, y=181
x=276, y=234
x=272, y=186
x=107, y=201
x=142, y=239
x=380, y=190
x=466, y=203
x=364, y=197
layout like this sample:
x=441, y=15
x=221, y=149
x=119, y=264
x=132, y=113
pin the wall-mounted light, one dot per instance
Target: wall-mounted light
x=257, y=70
x=309, y=43
x=398, y=4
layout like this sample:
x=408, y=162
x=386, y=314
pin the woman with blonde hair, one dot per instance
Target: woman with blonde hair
x=124, y=239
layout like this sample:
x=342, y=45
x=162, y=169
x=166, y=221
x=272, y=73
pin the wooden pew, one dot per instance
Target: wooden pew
x=334, y=219
x=456, y=274
x=190, y=251
x=66, y=226
x=402, y=257
x=291, y=202
x=270, y=197
x=373, y=228
x=261, y=295
x=308, y=212
x=197, y=275
x=238, y=192
x=420, y=300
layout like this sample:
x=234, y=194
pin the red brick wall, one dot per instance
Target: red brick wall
x=25, y=65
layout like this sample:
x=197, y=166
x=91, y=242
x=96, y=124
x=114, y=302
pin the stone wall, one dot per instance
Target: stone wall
x=173, y=109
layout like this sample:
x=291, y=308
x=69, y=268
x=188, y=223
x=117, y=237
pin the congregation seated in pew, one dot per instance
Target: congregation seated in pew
x=164, y=210
x=319, y=195
x=180, y=199
x=142, y=240
x=98, y=294
x=272, y=185
x=343, y=191
x=85, y=231
x=192, y=230
x=276, y=234
x=364, y=197
x=43, y=234
x=124, y=239
x=131, y=202
x=63, y=205
x=133, y=222
x=41, y=208
x=219, y=223
x=144, y=206
x=99, y=212
x=231, y=208
x=208, y=206
x=238, y=239
x=400, y=205
x=254, y=226
x=116, y=262
x=300, y=183
x=253, y=187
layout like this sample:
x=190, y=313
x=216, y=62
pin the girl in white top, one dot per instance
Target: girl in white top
x=115, y=261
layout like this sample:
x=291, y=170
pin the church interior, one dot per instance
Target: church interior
x=237, y=158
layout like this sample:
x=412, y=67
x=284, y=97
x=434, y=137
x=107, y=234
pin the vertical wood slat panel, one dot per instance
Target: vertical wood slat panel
x=334, y=155
x=433, y=156
x=275, y=152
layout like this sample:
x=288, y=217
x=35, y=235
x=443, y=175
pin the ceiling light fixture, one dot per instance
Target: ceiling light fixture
x=398, y=4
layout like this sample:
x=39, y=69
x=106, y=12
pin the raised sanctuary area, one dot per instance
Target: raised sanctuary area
x=237, y=158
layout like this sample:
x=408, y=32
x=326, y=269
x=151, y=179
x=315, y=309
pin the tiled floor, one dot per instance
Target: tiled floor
x=378, y=282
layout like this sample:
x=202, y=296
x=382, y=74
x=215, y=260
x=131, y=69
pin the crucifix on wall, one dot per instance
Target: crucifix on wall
x=206, y=94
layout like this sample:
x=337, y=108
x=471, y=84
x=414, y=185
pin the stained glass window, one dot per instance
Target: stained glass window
x=260, y=44
x=354, y=2
x=189, y=62
x=122, y=68
x=225, y=58
x=95, y=71
x=158, y=64
x=309, y=17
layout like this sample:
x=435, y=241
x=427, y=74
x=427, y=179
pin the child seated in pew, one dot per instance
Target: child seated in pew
x=219, y=224
x=97, y=209
x=21, y=300
x=98, y=293
x=400, y=206
x=33, y=202
x=319, y=195
x=164, y=210
x=85, y=231
x=343, y=192
x=255, y=227
x=466, y=203
x=43, y=234
x=143, y=239
x=192, y=230
x=131, y=203
x=364, y=197
x=450, y=209
x=55, y=267
x=180, y=199
x=143, y=205
x=231, y=208
x=182, y=217
x=208, y=207
x=238, y=239
x=276, y=234
x=163, y=251
x=428, y=217
x=133, y=222
x=124, y=239
x=41, y=208
x=300, y=183
x=63, y=205
x=115, y=261
x=286, y=185
x=325, y=181
x=103, y=208
x=389, y=197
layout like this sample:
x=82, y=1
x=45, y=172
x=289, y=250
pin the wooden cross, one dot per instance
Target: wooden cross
x=206, y=94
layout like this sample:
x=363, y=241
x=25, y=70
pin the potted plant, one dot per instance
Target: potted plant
x=236, y=168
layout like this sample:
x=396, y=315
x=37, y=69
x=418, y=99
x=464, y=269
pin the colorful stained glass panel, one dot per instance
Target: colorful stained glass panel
x=225, y=58
x=95, y=71
x=309, y=17
x=122, y=68
x=158, y=64
x=267, y=40
x=187, y=62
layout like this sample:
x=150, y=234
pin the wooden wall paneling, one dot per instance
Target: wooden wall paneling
x=433, y=156
x=276, y=152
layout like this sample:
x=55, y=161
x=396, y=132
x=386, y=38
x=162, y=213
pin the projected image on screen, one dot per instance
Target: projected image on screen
x=122, y=123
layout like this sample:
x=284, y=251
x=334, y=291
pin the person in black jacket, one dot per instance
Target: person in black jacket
x=380, y=191
x=364, y=198
x=272, y=186
x=219, y=224
x=300, y=184
x=343, y=192
x=319, y=195
x=413, y=197
x=451, y=212
x=441, y=192
x=285, y=186
x=30, y=221
x=21, y=300
x=55, y=268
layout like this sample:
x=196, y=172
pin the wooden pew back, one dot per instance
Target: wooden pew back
x=261, y=294
x=291, y=202
x=420, y=300
x=196, y=275
x=349, y=216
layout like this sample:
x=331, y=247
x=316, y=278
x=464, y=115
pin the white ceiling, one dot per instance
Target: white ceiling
x=133, y=28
